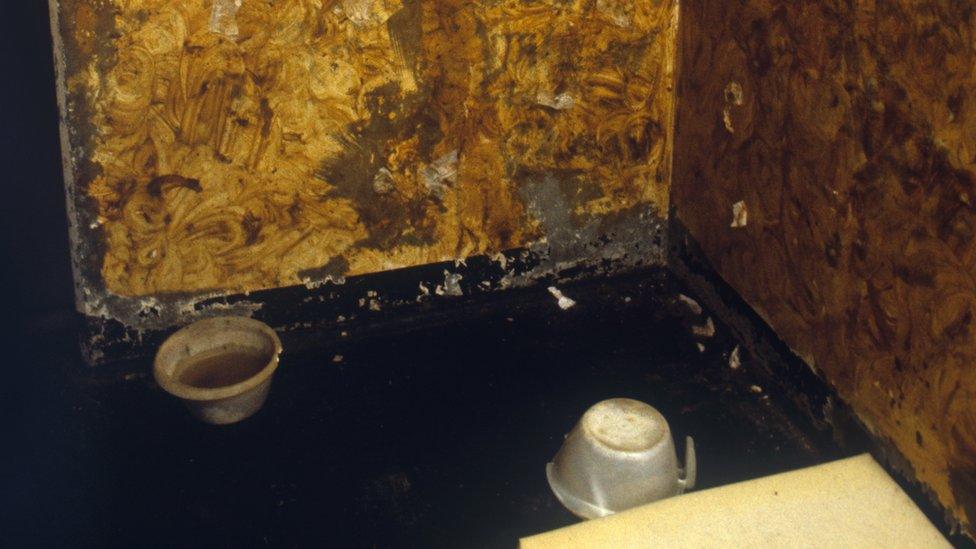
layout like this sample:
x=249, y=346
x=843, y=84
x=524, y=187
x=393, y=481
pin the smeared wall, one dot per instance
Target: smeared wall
x=236, y=145
x=825, y=161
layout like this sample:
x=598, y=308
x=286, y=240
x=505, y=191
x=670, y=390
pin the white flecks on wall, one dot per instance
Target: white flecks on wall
x=619, y=11
x=366, y=12
x=740, y=215
x=561, y=102
x=733, y=98
x=223, y=17
x=383, y=182
x=440, y=174
x=735, y=360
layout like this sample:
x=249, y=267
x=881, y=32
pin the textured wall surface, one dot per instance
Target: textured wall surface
x=826, y=162
x=215, y=145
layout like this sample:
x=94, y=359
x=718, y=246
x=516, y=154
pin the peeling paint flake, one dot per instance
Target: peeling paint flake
x=452, y=284
x=616, y=11
x=692, y=305
x=314, y=283
x=501, y=259
x=706, y=330
x=564, y=302
x=365, y=13
x=223, y=17
x=733, y=94
x=561, y=102
x=740, y=215
x=735, y=360
x=440, y=174
x=383, y=182
x=733, y=98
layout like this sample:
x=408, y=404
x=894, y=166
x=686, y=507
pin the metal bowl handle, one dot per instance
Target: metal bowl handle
x=689, y=473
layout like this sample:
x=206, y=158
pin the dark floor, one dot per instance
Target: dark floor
x=432, y=436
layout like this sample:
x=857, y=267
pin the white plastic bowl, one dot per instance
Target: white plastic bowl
x=221, y=368
x=620, y=455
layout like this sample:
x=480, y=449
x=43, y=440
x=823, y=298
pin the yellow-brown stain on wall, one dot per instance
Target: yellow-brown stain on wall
x=848, y=134
x=294, y=139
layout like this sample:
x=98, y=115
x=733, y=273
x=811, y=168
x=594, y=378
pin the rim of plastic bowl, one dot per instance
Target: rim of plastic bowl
x=177, y=388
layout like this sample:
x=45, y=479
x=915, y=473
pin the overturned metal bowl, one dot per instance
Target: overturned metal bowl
x=221, y=368
x=620, y=455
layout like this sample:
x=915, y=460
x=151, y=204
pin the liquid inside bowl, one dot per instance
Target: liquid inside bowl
x=221, y=367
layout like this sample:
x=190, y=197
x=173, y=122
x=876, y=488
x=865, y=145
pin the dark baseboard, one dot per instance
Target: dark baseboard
x=418, y=295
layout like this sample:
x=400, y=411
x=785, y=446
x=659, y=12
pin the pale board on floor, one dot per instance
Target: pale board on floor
x=847, y=503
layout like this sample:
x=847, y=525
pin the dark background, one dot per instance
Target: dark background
x=35, y=276
x=33, y=224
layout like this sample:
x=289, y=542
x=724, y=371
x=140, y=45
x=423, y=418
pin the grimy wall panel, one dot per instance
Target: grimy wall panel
x=220, y=146
x=826, y=163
